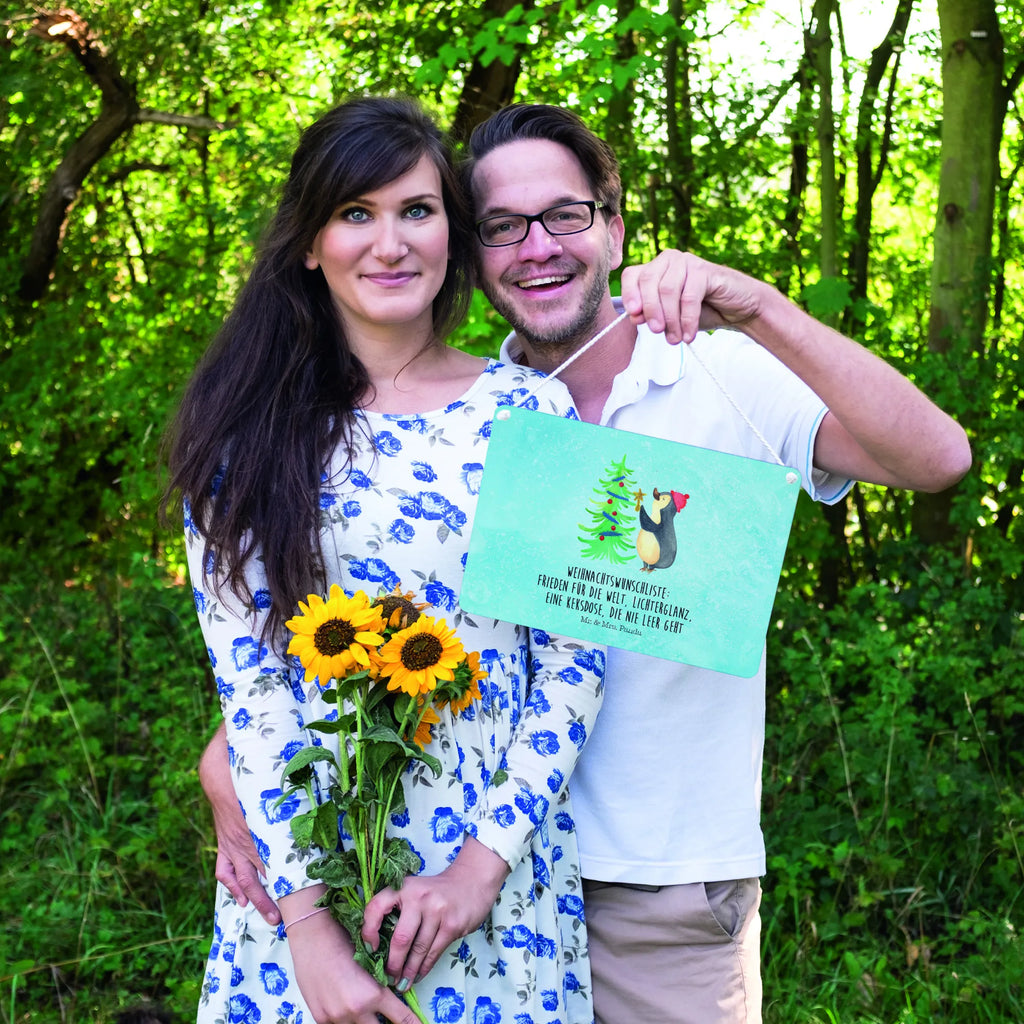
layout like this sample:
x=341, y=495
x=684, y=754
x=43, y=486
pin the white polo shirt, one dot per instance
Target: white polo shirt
x=668, y=788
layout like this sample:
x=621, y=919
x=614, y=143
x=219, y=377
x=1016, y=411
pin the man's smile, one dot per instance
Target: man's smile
x=541, y=282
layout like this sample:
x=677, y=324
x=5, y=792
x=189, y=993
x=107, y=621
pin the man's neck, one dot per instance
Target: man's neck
x=589, y=378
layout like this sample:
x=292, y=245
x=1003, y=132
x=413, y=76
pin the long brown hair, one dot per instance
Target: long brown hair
x=276, y=392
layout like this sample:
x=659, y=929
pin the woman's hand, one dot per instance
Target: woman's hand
x=336, y=989
x=238, y=865
x=435, y=910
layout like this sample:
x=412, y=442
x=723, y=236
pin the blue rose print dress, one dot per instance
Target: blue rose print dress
x=402, y=515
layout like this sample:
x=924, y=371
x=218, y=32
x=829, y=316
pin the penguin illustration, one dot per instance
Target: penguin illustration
x=656, y=541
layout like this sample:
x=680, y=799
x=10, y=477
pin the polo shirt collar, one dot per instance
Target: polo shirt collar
x=654, y=362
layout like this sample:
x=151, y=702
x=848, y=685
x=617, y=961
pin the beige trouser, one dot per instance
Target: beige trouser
x=675, y=954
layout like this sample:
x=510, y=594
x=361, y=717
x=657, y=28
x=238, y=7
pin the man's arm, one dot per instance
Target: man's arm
x=880, y=427
x=238, y=865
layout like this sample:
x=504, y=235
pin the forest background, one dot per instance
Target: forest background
x=866, y=157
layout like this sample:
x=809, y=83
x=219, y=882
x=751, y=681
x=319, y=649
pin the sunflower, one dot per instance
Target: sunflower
x=472, y=691
x=424, y=734
x=399, y=609
x=331, y=637
x=417, y=657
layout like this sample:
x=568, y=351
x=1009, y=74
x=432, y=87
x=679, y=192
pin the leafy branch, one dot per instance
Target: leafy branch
x=118, y=115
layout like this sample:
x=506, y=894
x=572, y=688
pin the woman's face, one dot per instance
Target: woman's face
x=384, y=254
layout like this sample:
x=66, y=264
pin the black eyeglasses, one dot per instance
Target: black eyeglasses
x=563, y=219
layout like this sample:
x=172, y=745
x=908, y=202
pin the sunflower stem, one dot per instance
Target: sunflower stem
x=412, y=711
x=380, y=831
x=360, y=832
x=343, y=760
x=310, y=794
x=414, y=1004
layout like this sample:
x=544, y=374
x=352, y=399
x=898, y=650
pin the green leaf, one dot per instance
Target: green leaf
x=484, y=39
x=302, y=826
x=298, y=769
x=383, y=761
x=345, y=802
x=338, y=870
x=429, y=760
x=325, y=828
x=622, y=75
x=381, y=695
x=397, y=801
x=18, y=967
x=372, y=963
x=827, y=298
x=382, y=733
x=351, y=919
x=398, y=861
x=452, y=55
x=329, y=727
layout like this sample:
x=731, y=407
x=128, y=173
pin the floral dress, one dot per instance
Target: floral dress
x=401, y=516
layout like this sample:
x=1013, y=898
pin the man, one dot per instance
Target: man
x=667, y=790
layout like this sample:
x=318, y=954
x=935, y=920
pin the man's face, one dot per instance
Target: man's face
x=552, y=289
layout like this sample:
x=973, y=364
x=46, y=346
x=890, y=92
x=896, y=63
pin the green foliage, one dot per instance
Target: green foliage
x=893, y=807
x=893, y=773
x=828, y=298
x=106, y=883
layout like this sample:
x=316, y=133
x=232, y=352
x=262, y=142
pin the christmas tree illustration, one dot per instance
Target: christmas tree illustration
x=610, y=517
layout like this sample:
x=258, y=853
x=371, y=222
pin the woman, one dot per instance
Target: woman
x=330, y=436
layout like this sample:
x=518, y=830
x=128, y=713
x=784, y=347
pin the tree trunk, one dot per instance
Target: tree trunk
x=679, y=134
x=869, y=172
x=619, y=127
x=118, y=109
x=119, y=113
x=819, y=56
x=973, y=107
x=487, y=88
x=792, y=283
x=819, y=51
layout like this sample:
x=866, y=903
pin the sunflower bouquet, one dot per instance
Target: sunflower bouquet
x=390, y=669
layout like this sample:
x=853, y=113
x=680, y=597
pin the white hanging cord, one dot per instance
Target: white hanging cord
x=732, y=402
x=692, y=351
x=590, y=344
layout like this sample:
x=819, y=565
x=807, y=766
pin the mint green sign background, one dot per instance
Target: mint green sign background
x=630, y=541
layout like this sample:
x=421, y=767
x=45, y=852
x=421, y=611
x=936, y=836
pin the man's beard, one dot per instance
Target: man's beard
x=565, y=337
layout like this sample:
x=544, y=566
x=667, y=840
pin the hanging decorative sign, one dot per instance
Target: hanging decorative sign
x=629, y=541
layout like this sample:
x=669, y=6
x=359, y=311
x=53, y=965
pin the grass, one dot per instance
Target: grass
x=106, y=881
x=893, y=810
